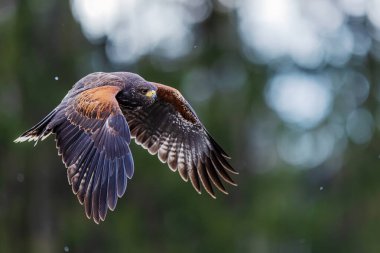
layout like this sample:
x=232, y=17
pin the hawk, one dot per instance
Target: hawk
x=94, y=125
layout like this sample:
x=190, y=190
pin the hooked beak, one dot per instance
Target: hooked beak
x=151, y=94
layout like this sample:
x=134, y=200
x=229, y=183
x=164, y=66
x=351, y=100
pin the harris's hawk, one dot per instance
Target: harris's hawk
x=93, y=127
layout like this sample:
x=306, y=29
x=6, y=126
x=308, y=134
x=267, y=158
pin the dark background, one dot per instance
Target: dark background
x=309, y=172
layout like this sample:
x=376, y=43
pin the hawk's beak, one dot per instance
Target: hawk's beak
x=151, y=94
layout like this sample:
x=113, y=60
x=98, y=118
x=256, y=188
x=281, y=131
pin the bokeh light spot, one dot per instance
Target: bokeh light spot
x=360, y=126
x=299, y=99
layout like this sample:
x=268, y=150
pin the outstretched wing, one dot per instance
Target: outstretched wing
x=171, y=129
x=93, y=138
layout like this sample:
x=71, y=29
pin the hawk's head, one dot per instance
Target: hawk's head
x=137, y=93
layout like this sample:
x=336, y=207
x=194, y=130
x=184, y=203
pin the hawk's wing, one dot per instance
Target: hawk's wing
x=93, y=138
x=171, y=129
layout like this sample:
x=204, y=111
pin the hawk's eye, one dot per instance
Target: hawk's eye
x=144, y=90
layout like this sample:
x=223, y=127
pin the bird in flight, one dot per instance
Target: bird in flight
x=94, y=125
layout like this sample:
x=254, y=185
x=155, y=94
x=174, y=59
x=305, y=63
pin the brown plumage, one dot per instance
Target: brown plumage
x=94, y=125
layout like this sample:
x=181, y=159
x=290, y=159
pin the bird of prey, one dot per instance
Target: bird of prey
x=94, y=125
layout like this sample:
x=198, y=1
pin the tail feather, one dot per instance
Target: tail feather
x=38, y=132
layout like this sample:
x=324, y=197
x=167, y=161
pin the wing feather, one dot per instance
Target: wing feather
x=112, y=191
x=194, y=178
x=82, y=176
x=93, y=138
x=205, y=179
x=103, y=194
x=170, y=129
x=214, y=176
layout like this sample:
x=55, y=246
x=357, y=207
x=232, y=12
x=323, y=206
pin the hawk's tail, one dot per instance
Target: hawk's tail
x=39, y=131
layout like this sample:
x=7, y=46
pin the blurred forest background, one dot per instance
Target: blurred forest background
x=290, y=88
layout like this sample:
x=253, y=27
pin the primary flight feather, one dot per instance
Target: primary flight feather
x=94, y=125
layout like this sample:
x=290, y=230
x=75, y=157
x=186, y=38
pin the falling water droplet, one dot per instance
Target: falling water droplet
x=66, y=248
x=20, y=177
x=56, y=78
